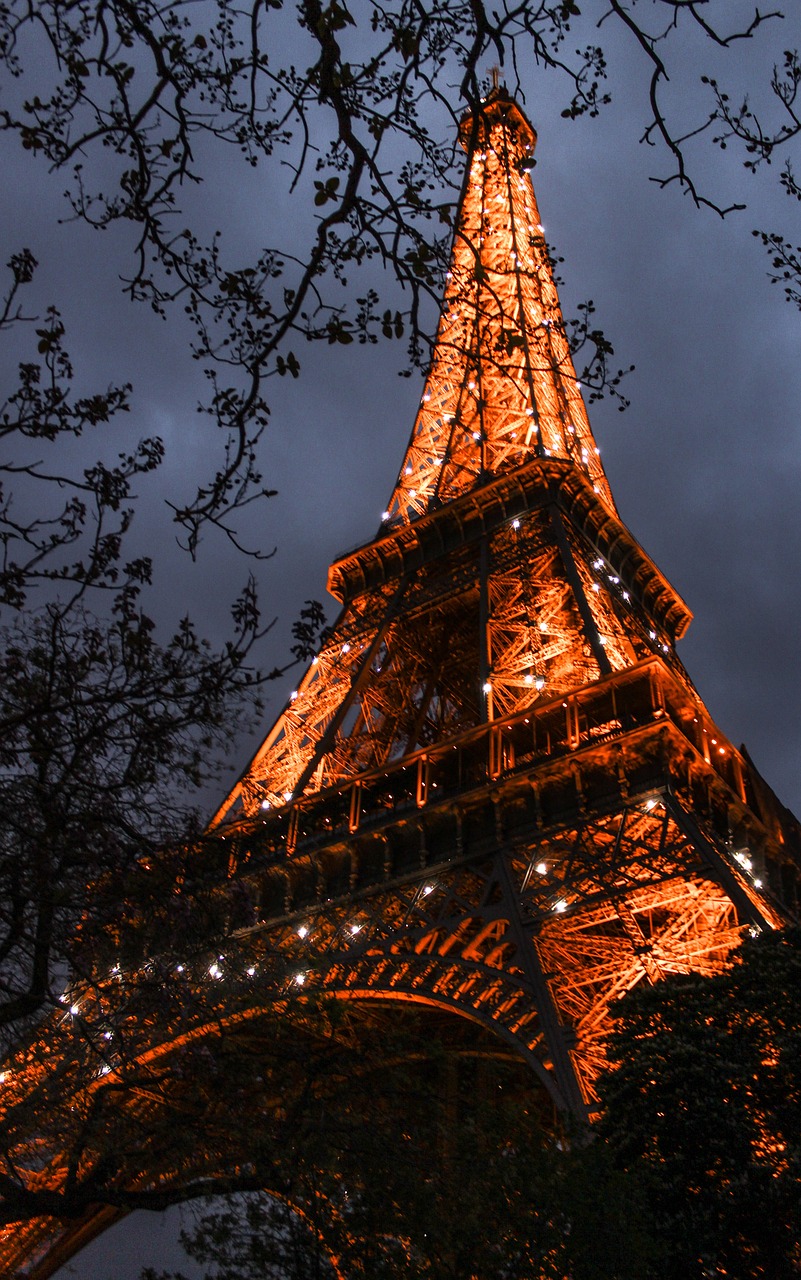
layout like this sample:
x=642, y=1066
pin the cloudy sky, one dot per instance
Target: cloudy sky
x=705, y=465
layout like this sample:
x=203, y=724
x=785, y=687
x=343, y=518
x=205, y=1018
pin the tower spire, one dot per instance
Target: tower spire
x=502, y=575
x=502, y=389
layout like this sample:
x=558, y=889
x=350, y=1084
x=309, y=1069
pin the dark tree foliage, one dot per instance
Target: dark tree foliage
x=434, y=1165
x=107, y=730
x=763, y=144
x=441, y=1164
x=46, y=515
x=704, y=1103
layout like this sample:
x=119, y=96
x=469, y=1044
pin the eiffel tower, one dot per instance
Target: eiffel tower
x=496, y=793
x=496, y=790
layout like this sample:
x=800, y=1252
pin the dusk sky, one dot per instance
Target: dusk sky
x=705, y=465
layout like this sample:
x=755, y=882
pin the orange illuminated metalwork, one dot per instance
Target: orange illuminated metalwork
x=502, y=388
x=504, y=598
x=496, y=793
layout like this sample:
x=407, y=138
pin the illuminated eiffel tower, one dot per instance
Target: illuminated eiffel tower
x=496, y=790
x=495, y=793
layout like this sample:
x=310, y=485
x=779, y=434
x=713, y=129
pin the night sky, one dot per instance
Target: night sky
x=705, y=465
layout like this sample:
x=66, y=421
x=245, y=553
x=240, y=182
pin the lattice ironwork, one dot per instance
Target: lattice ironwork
x=561, y=924
x=502, y=387
x=519, y=613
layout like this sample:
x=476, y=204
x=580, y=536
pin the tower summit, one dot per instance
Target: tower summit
x=502, y=389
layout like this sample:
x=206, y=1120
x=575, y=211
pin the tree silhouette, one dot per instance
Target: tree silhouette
x=704, y=1102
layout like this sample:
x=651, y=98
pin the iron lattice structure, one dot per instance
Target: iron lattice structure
x=496, y=792
x=498, y=755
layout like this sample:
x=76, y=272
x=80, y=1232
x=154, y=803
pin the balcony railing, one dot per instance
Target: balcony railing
x=611, y=708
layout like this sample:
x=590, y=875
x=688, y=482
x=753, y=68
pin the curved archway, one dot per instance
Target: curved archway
x=351, y=1062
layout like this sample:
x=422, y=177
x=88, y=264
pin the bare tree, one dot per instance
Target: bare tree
x=107, y=731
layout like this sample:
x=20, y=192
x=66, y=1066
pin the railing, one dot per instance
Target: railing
x=617, y=705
